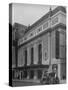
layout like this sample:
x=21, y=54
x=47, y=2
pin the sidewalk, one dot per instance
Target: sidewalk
x=62, y=81
x=26, y=80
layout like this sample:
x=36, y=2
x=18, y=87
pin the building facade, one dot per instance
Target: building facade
x=43, y=47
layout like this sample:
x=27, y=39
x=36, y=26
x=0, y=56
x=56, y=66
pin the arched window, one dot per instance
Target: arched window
x=32, y=55
x=40, y=54
x=25, y=55
x=57, y=44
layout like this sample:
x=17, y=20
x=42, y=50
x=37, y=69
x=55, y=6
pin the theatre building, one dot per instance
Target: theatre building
x=43, y=47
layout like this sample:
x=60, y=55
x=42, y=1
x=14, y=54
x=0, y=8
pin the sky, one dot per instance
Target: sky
x=27, y=14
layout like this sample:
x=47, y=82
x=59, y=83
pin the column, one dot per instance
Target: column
x=35, y=53
x=45, y=57
x=49, y=52
x=28, y=74
x=28, y=56
x=49, y=46
x=59, y=71
x=20, y=74
x=35, y=74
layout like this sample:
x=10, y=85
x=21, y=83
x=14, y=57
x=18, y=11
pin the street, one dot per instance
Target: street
x=30, y=83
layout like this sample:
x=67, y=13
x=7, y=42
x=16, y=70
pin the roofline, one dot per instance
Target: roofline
x=60, y=25
x=19, y=24
x=59, y=8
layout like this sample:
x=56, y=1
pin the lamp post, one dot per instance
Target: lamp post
x=50, y=14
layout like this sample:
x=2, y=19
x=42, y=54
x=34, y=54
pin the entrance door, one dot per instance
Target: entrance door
x=25, y=74
x=39, y=74
x=31, y=74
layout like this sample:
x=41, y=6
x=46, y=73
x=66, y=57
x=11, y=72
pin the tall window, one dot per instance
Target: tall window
x=32, y=55
x=57, y=45
x=62, y=45
x=39, y=53
x=25, y=52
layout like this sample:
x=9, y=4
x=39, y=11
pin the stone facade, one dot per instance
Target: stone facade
x=50, y=33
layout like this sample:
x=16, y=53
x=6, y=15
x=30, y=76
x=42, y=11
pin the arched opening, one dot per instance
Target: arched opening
x=39, y=74
x=31, y=74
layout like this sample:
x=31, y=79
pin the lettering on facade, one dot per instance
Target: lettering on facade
x=32, y=34
x=55, y=21
x=45, y=25
x=40, y=29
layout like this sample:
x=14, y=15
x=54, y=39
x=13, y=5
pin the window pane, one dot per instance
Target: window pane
x=62, y=39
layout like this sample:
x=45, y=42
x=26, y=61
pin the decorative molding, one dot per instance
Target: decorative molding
x=56, y=19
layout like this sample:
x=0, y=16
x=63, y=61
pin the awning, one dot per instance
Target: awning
x=32, y=67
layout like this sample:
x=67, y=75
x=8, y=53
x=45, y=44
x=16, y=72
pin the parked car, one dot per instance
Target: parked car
x=53, y=79
x=49, y=78
x=45, y=78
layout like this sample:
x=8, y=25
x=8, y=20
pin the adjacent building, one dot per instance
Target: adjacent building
x=17, y=33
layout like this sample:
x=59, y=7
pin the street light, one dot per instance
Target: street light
x=50, y=14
